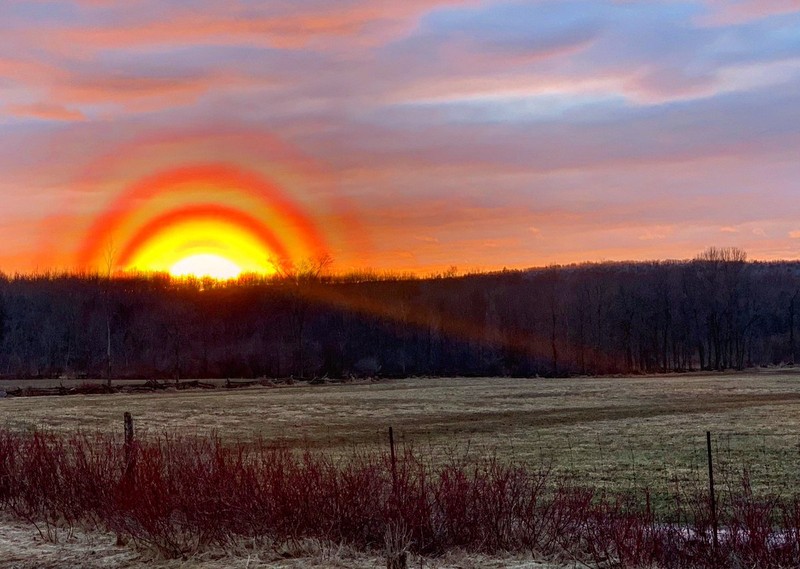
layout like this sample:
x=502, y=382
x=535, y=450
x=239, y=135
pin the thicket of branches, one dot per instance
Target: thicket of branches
x=181, y=495
x=717, y=311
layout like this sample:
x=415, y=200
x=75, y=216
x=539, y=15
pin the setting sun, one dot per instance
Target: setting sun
x=206, y=265
x=215, y=220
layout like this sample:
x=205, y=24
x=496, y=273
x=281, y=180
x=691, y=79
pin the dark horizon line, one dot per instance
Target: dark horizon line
x=710, y=254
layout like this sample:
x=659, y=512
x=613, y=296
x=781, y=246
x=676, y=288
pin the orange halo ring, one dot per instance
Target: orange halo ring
x=214, y=212
x=225, y=177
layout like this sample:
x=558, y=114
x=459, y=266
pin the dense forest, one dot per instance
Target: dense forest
x=715, y=312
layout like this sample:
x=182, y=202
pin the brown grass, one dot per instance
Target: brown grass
x=22, y=548
x=615, y=431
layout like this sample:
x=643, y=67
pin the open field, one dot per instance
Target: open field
x=610, y=431
x=616, y=434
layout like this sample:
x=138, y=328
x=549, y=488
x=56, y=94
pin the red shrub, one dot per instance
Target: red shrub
x=182, y=493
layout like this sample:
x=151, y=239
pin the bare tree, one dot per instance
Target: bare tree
x=792, y=310
x=109, y=255
x=299, y=281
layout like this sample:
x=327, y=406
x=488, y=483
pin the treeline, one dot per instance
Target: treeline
x=715, y=312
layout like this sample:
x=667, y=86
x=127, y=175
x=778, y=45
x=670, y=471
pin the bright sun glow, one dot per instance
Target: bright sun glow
x=206, y=265
x=202, y=247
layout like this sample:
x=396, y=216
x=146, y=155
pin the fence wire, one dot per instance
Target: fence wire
x=764, y=464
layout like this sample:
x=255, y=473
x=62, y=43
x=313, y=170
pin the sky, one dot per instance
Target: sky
x=408, y=135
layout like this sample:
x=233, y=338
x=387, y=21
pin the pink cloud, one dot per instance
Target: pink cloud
x=62, y=89
x=140, y=92
x=485, y=85
x=237, y=25
x=26, y=71
x=732, y=12
x=48, y=111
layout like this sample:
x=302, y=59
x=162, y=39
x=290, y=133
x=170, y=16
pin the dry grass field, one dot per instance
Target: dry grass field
x=22, y=548
x=617, y=433
x=609, y=431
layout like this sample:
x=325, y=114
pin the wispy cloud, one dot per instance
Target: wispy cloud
x=46, y=111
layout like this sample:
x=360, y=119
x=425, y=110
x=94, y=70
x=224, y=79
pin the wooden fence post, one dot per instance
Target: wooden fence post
x=396, y=539
x=129, y=456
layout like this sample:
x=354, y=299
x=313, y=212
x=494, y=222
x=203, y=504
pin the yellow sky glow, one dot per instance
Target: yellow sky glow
x=203, y=247
x=206, y=265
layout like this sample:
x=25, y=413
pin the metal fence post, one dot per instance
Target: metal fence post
x=712, y=494
x=128, y=446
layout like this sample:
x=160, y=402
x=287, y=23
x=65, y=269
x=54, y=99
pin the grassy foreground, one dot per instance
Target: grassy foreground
x=614, y=433
x=182, y=495
x=586, y=470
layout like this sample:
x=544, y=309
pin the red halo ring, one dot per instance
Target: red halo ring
x=203, y=211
